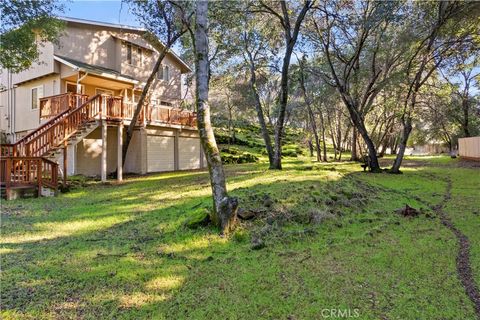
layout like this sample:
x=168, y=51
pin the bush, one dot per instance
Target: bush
x=235, y=156
x=291, y=150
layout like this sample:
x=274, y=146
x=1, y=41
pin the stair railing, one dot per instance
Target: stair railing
x=52, y=133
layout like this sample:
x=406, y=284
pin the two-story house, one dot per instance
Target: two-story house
x=72, y=105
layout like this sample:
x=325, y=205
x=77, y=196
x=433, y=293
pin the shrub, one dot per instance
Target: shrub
x=237, y=157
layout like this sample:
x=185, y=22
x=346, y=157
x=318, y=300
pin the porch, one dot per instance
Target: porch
x=119, y=108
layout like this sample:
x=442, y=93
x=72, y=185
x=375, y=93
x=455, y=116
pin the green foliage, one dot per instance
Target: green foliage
x=198, y=218
x=26, y=25
x=122, y=251
x=291, y=150
x=232, y=155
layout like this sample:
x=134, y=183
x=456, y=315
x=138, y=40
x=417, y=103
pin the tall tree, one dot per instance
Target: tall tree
x=448, y=25
x=290, y=25
x=258, y=48
x=163, y=20
x=308, y=104
x=25, y=25
x=354, y=39
x=464, y=67
x=224, y=207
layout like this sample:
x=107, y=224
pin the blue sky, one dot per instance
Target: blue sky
x=105, y=11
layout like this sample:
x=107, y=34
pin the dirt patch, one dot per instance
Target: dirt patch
x=406, y=163
x=464, y=269
x=408, y=211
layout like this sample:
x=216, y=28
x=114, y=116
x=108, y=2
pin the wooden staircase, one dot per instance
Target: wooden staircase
x=31, y=162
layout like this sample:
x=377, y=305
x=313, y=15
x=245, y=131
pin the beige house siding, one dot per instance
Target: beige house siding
x=27, y=118
x=3, y=111
x=90, y=44
x=170, y=89
x=133, y=162
x=108, y=48
x=469, y=148
x=44, y=66
x=89, y=152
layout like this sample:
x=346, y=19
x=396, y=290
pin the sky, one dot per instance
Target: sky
x=112, y=11
x=106, y=11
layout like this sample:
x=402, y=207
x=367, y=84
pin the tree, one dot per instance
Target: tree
x=448, y=26
x=163, y=20
x=308, y=104
x=224, y=207
x=257, y=53
x=26, y=25
x=283, y=15
x=464, y=67
x=356, y=44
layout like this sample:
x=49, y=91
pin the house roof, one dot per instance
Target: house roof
x=185, y=68
x=101, y=71
x=102, y=24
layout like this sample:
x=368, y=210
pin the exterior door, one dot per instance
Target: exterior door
x=160, y=153
x=189, y=153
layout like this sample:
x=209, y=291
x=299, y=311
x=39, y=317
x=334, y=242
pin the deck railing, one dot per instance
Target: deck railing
x=116, y=108
x=28, y=171
x=53, y=105
x=23, y=162
x=119, y=109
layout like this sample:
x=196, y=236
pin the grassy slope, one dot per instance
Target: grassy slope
x=121, y=251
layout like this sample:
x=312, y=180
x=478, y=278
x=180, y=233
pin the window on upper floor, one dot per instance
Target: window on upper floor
x=166, y=73
x=129, y=53
x=163, y=73
x=135, y=55
x=160, y=73
x=139, y=57
x=35, y=94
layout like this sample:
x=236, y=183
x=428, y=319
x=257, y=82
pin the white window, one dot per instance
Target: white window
x=163, y=73
x=36, y=94
x=160, y=73
x=166, y=73
x=139, y=57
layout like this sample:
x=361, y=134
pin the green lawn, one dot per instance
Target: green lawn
x=123, y=252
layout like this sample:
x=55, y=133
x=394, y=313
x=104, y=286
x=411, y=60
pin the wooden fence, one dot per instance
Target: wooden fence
x=469, y=148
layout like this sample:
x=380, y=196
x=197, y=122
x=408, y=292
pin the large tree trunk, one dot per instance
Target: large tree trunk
x=224, y=207
x=259, y=109
x=465, y=107
x=324, y=141
x=407, y=128
x=354, y=156
x=360, y=126
x=282, y=101
x=310, y=146
x=332, y=135
x=313, y=123
x=140, y=103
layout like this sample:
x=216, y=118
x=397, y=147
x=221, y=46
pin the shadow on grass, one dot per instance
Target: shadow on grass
x=122, y=251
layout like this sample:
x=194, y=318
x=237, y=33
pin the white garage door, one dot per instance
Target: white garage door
x=160, y=155
x=189, y=153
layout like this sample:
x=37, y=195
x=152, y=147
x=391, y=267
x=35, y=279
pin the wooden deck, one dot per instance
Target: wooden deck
x=24, y=164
